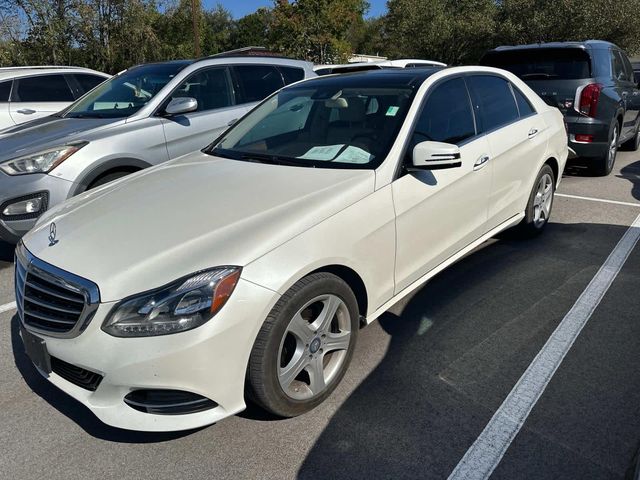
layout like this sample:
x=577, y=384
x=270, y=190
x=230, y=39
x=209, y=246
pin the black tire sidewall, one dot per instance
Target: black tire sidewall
x=262, y=375
x=528, y=226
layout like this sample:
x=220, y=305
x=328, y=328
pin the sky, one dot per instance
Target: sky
x=240, y=8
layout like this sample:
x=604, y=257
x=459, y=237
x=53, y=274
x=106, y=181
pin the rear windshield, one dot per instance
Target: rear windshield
x=542, y=64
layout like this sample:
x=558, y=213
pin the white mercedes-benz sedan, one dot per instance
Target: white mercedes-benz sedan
x=164, y=299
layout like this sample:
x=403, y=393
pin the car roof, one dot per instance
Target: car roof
x=593, y=44
x=391, y=77
x=224, y=58
x=17, y=72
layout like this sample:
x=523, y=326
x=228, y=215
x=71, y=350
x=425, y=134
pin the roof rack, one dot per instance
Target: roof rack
x=252, y=51
x=43, y=67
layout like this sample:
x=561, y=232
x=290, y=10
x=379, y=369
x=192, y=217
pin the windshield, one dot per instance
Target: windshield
x=124, y=94
x=543, y=64
x=320, y=126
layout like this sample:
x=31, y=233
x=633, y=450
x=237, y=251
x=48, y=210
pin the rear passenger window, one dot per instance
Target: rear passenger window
x=291, y=74
x=42, y=88
x=257, y=81
x=87, y=81
x=524, y=107
x=446, y=116
x=494, y=101
x=5, y=91
x=211, y=88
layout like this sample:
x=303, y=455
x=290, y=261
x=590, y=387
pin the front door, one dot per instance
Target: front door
x=439, y=212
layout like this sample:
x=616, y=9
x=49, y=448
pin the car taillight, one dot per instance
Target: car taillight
x=589, y=97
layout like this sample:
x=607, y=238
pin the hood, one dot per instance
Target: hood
x=43, y=133
x=197, y=212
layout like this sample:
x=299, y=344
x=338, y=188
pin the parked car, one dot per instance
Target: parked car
x=152, y=299
x=27, y=93
x=593, y=85
x=141, y=117
x=361, y=66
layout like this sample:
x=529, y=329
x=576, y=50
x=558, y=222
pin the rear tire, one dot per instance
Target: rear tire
x=540, y=203
x=603, y=166
x=304, y=346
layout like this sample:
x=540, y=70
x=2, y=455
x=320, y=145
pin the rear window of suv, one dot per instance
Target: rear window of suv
x=543, y=63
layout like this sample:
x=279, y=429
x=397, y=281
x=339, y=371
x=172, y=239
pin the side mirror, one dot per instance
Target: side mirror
x=435, y=156
x=180, y=105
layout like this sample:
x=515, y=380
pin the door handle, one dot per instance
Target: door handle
x=533, y=132
x=26, y=111
x=481, y=162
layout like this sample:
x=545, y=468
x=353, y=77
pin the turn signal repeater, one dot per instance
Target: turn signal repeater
x=183, y=305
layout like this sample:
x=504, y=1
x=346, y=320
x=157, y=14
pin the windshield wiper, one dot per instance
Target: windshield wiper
x=86, y=115
x=257, y=157
x=538, y=75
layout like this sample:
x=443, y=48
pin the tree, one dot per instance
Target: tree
x=315, y=30
x=253, y=29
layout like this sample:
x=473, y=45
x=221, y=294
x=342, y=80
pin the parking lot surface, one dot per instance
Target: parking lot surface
x=424, y=382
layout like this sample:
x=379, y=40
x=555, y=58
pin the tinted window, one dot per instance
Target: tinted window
x=617, y=66
x=43, y=88
x=5, y=91
x=524, y=107
x=257, y=81
x=628, y=69
x=446, y=116
x=211, y=88
x=543, y=63
x=87, y=81
x=291, y=74
x=494, y=101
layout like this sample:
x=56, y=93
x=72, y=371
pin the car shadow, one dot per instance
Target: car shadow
x=456, y=349
x=73, y=409
x=632, y=173
x=6, y=252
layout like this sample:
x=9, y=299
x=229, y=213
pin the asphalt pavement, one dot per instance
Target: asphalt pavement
x=424, y=382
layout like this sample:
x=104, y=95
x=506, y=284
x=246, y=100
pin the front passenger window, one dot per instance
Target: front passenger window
x=446, y=116
x=211, y=88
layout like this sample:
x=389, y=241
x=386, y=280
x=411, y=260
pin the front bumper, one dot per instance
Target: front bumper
x=596, y=149
x=13, y=187
x=210, y=360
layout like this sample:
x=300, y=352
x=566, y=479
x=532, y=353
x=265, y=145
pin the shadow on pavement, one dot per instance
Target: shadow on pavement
x=632, y=173
x=456, y=350
x=72, y=408
x=6, y=252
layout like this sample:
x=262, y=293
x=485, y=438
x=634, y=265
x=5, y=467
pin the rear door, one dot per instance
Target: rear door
x=217, y=109
x=39, y=96
x=629, y=92
x=517, y=140
x=439, y=212
x=5, y=117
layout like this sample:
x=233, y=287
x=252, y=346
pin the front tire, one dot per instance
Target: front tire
x=304, y=346
x=540, y=202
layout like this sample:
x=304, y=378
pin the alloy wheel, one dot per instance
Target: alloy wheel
x=543, y=200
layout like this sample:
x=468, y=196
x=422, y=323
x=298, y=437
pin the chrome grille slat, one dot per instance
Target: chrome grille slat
x=52, y=301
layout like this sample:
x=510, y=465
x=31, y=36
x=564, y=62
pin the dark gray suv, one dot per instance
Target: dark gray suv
x=593, y=85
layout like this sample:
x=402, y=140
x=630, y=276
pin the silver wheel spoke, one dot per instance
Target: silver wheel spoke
x=337, y=341
x=323, y=322
x=301, y=329
x=315, y=369
x=289, y=373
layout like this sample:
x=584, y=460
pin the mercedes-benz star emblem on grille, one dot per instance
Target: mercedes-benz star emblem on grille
x=52, y=234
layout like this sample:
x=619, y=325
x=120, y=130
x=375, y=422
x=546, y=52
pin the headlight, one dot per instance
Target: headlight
x=41, y=162
x=183, y=305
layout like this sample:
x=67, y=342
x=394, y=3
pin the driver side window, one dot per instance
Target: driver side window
x=211, y=88
x=446, y=116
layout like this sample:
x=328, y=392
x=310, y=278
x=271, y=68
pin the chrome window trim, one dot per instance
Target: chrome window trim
x=26, y=262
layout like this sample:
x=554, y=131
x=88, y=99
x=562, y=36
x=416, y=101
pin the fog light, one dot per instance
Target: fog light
x=23, y=208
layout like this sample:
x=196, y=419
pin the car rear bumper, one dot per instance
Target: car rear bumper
x=209, y=361
x=15, y=187
x=599, y=130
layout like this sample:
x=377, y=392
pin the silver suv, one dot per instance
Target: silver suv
x=143, y=116
x=27, y=93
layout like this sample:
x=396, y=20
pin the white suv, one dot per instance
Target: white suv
x=160, y=299
x=27, y=93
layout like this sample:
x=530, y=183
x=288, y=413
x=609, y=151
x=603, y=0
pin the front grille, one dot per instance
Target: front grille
x=76, y=375
x=52, y=301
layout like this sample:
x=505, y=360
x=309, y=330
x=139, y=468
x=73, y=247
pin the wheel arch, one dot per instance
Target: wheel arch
x=105, y=168
x=351, y=278
x=553, y=163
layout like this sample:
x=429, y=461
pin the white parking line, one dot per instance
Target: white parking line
x=8, y=307
x=601, y=200
x=487, y=451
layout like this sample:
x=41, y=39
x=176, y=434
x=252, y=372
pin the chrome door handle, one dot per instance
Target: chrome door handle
x=26, y=111
x=533, y=132
x=481, y=162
